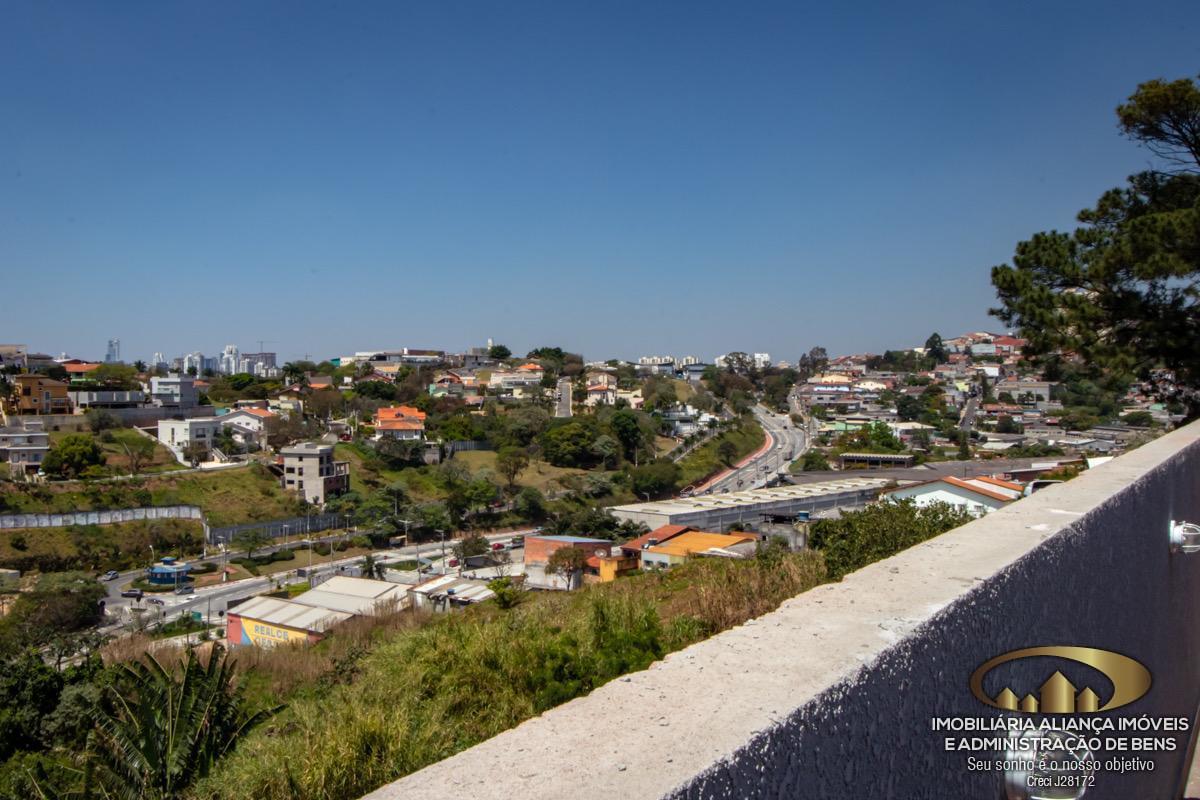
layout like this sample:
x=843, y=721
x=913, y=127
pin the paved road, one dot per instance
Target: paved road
x=563, y=407
x=967, y=420
x=211, y=600
x=787, y=444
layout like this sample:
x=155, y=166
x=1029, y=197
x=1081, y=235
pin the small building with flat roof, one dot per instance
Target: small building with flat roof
x=270, y=621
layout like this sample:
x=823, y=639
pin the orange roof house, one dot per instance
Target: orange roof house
x=398, y=412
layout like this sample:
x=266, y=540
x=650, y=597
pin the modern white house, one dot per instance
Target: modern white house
x=174, y=391
x=177, y=434
x=978, y=495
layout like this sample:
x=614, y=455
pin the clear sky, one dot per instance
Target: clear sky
x=616, y=178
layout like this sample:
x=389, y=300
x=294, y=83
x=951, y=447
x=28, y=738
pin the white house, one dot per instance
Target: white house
x=177, y=434
x=977, y=495
x=249, y=425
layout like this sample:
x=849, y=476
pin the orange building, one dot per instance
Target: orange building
x=37, y=394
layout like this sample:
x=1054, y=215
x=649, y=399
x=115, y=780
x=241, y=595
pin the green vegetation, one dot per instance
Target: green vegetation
x=425, y=693
x=1119, y=291
x=861, y=537
x=97, y=548
x=227, y=496
x=708, y=459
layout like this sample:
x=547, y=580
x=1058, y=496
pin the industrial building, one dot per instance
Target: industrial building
x=267, y=621
x=717, y=512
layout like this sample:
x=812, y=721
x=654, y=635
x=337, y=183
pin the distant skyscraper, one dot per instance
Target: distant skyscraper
x=229, y=360
x=114, y=351
x=194, y=362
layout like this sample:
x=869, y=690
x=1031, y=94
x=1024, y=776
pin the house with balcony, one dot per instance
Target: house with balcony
x=36, y=395
x=180, y=434
x=310, y=471
x=24, y=447
x=248, y=425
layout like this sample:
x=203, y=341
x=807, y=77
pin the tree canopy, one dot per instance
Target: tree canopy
x=1119, y=293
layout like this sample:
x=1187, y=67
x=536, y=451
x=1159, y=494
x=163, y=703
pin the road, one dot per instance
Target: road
x=787, y=443
x=214, y=599
x=967, y=420
x=563, y=407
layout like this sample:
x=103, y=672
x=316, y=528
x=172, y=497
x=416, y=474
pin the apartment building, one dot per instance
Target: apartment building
x=310, y=471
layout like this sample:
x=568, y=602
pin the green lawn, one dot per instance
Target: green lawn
x=704, y=461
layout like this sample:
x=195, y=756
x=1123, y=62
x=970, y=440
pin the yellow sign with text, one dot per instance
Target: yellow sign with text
x=264, y=635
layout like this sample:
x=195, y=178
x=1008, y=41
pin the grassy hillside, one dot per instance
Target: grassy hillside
x=539, y=474
x=227, y=496
x=747, y=437
x=383, y=698
x=98, y=547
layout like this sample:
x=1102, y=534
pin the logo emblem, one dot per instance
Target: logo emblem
x=1058, y=695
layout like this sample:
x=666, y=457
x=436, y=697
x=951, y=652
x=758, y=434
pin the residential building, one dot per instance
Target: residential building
x=400, y=422
x=84, y=399
x=24, y=447
x=36, y=394
x=248, y=425
x=976, y=496
x=659, y=535
x=13, y=355
x=526, y=375
x=683, y=546
x=310, y=471
x=113, y=354
x=538, y=550
x=229, y=360
x=174, y=391
x=178, y=434
x=601, y=568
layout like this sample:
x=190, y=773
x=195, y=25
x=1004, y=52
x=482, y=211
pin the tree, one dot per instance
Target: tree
x=511, y=462
x=73, y=454
x=1165, y=118
x=727, y=452
x=251, y=540
x=814, y=460
x=101, y=419
x=158, y=731
x=568, y=445
x=138, y=449
x=499, y=352
x=964, y=449
x=565, y=563
x=935, y=348
x=625, y=425
x=195, y=453
x=507, y=593
x=473, y=544
x=1119, y=293
x=370, y=568
x=654, y=479
x=861, y=537
x=530, y=504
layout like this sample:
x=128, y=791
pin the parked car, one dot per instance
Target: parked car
x=136, y=594
x=519, y=540
x=111, y=575
x=452, y=562
x=498, y=545
x=185, y=589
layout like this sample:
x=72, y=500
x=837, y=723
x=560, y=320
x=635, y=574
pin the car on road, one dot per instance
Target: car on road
x=136, y=594
x=519, y=541
x=155, y=601
x=111, y=575
x=185, y=590
x=499, y=545
x=452, y=562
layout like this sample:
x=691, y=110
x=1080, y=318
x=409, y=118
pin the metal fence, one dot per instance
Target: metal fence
x=107, y=517
x=459, y=447
x=279, y=528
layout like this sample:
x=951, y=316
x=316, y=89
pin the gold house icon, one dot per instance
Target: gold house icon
x=1057, y=696
x=1130, y=681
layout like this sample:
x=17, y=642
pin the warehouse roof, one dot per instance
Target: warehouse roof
x=753, y=497
x=685, y=544
x=289, y=614
x=354, y=595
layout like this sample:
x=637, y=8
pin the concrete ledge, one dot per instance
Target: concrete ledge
x=831, y=695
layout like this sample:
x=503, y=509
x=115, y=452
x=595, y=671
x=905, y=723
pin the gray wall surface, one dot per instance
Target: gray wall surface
x=9, y=521
x=832, y=695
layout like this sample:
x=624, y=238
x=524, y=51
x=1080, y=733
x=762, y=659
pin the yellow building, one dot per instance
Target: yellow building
x=677, y=549
x=37, y=394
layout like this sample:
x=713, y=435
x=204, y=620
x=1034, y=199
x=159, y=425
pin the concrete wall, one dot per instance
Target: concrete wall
x=832, y=695
x=12, y=521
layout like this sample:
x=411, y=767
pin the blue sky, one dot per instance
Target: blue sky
x=618, y=178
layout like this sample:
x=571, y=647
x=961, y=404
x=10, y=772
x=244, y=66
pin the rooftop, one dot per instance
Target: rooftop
x=752, y=497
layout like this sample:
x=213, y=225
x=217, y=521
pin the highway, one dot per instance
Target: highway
x=787, y=443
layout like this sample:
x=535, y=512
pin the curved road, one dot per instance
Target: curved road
x=786, y=444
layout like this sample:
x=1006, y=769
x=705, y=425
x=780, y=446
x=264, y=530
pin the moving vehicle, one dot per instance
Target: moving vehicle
x=519, y=540
x=136, y=594
x=498, y=545
x=155, y=601
x=111, y=575
x=185, y=590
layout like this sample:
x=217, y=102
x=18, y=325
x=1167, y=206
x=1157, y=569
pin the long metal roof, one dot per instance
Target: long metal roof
x=289, y=614
x=753, y=497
